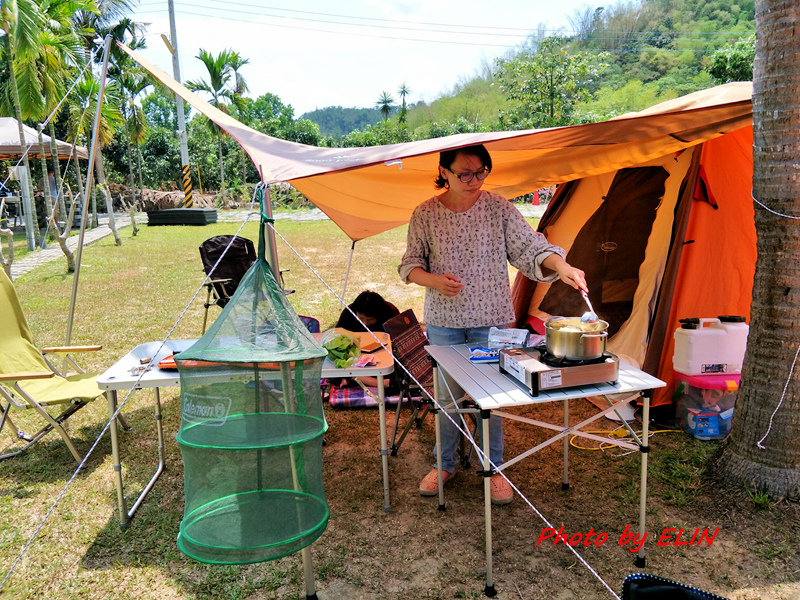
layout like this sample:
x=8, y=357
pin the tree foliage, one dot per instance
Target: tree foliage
x=543, y=87
x=734, y=62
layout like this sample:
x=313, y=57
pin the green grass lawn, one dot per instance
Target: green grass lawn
x=138, y=292
x=128, y=295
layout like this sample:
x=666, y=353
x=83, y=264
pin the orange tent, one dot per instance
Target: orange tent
x=366, y=191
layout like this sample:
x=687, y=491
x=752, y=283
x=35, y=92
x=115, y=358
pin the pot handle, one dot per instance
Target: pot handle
x=595, y=335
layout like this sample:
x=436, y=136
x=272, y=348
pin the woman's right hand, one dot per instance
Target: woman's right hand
x=448, y=284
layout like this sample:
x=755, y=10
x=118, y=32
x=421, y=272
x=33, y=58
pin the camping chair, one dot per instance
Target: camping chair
x=229, y=272
x=408, y=346
x=28, y=380
x=645, y=586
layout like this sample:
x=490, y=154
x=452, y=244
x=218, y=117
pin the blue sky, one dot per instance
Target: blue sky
x=314, y=53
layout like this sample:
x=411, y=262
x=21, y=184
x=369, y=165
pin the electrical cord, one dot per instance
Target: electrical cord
x=620, y=434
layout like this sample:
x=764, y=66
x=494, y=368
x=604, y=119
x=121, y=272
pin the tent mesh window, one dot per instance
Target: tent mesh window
x=252, y=426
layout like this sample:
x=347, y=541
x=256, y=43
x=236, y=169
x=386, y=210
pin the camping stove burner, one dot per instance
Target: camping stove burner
x=562, y=362
x=539, y=371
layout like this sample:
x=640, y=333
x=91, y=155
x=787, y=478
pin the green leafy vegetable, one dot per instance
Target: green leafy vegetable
x=342, y=350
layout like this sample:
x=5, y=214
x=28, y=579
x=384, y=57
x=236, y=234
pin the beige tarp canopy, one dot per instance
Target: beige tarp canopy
x=10, y=148
x=369, y=190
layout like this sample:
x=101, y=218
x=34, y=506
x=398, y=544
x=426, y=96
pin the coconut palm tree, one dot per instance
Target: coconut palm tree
x=219, y=76
x=763, y=450
x=45, y=73
x=385, y=103
x=20, y=22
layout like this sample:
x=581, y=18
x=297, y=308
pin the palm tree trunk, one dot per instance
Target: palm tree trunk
x=81, y=194
x=131, y=180
x=100, y=179
x=244, y=166
x=221, y=169
x=139, y=166
x=48, y=199
x=18, y=114
x=62, y=207
x=763, y=449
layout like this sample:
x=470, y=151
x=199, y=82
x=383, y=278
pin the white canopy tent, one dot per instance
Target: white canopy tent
x=10, y=147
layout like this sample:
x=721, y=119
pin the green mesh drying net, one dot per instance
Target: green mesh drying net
x=251, y=430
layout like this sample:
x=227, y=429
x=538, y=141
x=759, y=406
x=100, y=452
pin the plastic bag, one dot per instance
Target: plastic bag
x=342, y=347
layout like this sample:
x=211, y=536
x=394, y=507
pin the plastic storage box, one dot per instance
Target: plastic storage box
x=705, y=403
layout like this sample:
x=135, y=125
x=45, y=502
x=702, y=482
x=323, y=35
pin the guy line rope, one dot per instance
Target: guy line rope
x=464, y=431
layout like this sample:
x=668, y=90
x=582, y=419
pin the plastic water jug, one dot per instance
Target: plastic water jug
x=704, y=346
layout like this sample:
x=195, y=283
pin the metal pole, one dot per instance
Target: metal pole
x=89, y=173
x=272, y=247
x=188, y=202
x=347, y=273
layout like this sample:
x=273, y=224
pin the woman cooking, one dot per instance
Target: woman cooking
x=459, y=246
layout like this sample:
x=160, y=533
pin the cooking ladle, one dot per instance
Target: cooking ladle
x=589, y=316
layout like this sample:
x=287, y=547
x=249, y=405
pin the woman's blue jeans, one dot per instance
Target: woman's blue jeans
x=449, y=336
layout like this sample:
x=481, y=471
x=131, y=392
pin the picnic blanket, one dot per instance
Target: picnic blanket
x=354, y=396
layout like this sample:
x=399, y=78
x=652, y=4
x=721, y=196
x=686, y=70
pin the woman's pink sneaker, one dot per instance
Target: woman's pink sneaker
x=429, y=486
x=501, y=490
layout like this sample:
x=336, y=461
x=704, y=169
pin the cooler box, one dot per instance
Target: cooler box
x=705, y=403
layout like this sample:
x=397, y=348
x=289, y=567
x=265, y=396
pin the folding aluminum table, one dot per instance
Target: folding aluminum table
x=125, y=375
x=495, y=394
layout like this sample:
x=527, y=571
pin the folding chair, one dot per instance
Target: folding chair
x=229, y=272
x=29, y=381
x=311, y=323
x=408, y=346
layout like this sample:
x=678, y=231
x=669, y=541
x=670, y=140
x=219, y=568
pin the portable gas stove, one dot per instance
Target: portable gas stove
x=539, y=371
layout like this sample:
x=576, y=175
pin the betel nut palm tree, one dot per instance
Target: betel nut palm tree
x=404, y=91
x=239, y=90
x=219, y=76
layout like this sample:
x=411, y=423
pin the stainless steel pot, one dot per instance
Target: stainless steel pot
x=568, y=337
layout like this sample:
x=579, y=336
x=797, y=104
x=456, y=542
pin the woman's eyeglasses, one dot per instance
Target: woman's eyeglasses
x=467, y=177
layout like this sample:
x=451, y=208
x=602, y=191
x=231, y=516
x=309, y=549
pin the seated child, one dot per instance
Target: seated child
x=373, y=311
x=371, y=308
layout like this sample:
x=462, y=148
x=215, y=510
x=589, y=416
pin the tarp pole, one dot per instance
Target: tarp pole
x=347, y=273
x=90, y=169
x=272, y=247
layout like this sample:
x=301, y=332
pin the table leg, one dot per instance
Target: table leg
x=111, y=396
x=384, y=446
x=565, y=481
x=641, y=561
x=487, y=502
x=437, y=423
x=126, y=515
x=161, y=455
x=308, y=573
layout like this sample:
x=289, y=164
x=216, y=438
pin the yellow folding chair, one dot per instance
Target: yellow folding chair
x=29, y=381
